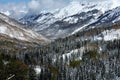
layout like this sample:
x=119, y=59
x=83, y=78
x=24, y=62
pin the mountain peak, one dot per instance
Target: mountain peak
x=71, y=9
x=76, y=7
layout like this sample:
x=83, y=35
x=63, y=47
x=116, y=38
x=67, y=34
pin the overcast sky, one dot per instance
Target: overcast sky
x=20, y=6
x=26, y=1
x=37, y=4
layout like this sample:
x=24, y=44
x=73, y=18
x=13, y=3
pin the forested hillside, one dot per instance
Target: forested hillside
x=59, y=40
x=86, y=55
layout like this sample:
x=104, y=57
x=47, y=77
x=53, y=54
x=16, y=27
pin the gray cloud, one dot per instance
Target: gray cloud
x=38, y=5
x=20, y=9
x=13, y=9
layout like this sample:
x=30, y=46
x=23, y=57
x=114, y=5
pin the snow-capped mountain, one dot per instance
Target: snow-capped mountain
x=76, y=7
x=73, y=18
x=11, y=28
x=108, y=19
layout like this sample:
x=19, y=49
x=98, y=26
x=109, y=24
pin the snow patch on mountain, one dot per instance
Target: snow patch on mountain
x=3, y=29
x=6, y=13
x=76, y=7
x=21, y=34
x=71, y=9
x=77, y=30
x=74, y=17
x=71, y=20
x=74, y=52
x=12, y=34
x=109, y=35
x=10, y=27
x=110, y=15
x=69, y=55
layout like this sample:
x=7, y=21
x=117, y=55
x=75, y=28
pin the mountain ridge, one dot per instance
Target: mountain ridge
x=14, y=29
x=66, y=21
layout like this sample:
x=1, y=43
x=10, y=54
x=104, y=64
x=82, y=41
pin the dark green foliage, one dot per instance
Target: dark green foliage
x=91, y=55
x=32, y=74
x=54, y=72
x=75, y=63
x=94, y=65
x=53, y=69
x=10, y=66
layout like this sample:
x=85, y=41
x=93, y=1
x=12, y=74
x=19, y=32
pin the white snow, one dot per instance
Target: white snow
x=71, y=9
x=117, y=78
x=42, y=18
x=81, y=50
x=76, y=7
x=99, y=38
x=109, y=35
x=5, y=62
x=44, y=21
x=72, y=52
x=117, y=19
x=112, y=13
x=71, y=20
x=3, y=29
x=77, y=30
x=37, y=69
x=6, y=13
x=13, y=29
x=12, y=33
x=100, y=48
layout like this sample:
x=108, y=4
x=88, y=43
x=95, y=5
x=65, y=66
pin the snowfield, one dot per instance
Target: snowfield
x=108, y=35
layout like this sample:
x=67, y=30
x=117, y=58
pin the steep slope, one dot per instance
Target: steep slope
x=74, y=17
x=13, y=29
x=76, y=7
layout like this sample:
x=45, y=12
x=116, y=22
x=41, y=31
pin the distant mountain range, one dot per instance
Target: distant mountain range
x=73, y=18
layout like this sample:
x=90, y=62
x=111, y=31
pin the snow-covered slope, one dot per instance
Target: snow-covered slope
x=14, y=29
x=74, y=17
x=76, y=7
x=109, y=35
